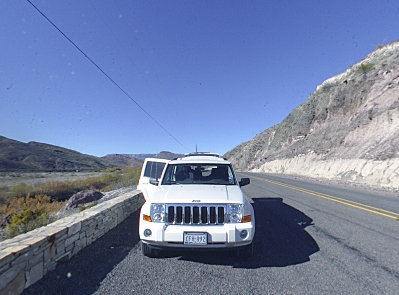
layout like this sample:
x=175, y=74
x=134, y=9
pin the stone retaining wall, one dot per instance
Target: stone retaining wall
x=26, y=258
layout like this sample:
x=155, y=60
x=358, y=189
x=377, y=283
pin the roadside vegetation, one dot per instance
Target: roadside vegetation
x=26, y=207
x=364, y=68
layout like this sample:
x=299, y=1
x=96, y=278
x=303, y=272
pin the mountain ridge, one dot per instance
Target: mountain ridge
x=35, y=156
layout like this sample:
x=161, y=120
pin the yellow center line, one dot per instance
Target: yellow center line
x=353, y=204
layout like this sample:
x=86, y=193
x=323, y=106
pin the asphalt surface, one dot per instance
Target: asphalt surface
x=305, y=243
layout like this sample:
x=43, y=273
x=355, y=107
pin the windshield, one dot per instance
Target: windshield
x=221, y=174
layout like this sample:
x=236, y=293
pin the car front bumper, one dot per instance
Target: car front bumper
x=218, y=236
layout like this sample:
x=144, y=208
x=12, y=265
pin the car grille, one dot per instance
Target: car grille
x=196, y=214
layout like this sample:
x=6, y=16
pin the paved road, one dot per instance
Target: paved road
x=307, y=242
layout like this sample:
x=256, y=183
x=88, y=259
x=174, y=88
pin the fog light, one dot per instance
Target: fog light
x=243, y=234
x=147, y=233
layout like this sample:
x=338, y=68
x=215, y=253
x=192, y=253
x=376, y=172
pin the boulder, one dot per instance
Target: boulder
x=81, y=198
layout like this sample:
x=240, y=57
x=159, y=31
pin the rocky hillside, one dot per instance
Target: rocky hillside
x=35, y=156
x=161, y=155
x=347, y=129
x=119, y=160
x=167, y=155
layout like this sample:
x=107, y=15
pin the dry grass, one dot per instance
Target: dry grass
x=60, y=190
x=32, y=206
x=28, y=213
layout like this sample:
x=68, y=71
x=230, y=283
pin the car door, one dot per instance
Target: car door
x=150, y=175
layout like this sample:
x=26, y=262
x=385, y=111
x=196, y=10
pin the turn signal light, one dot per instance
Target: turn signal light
x=147, y=218
x=246, y=219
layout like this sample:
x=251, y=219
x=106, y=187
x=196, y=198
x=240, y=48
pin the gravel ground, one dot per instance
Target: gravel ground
x=85, y=271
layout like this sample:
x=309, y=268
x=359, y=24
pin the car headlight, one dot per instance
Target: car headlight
x=157, y=212
x=235, y=213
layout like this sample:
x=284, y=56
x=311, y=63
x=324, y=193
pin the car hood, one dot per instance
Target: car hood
x=198, y=194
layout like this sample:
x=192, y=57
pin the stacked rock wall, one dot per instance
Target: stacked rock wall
x=26, y=258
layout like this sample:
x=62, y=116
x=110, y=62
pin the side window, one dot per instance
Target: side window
x=169, y=174
x=154, y=169
x=231, y=177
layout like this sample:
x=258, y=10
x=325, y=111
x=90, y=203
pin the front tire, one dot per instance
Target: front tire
x=148, y=251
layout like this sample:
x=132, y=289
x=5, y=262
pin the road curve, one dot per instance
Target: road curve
x=304, y=244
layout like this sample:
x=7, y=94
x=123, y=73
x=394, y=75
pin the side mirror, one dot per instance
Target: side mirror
x=244, y=181
x=154, y=181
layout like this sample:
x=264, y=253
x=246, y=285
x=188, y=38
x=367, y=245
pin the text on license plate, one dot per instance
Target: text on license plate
x=195, y=238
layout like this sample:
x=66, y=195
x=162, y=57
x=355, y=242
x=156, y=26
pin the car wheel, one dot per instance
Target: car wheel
x=148, y=251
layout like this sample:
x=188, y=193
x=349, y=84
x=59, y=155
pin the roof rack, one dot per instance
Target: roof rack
x=201, y=154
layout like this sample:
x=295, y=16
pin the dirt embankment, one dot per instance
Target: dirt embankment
x=383, y=174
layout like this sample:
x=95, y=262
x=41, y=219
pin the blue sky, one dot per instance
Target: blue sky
x=212, y=73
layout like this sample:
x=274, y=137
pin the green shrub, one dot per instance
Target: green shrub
x=37, y=203
x=364, y=68
x=327, y=86
x=28, y=213
x=26, y=221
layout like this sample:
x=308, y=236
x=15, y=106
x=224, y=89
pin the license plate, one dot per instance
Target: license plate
x=195, y=238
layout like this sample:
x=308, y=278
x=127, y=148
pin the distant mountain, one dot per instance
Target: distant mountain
x=161, y=155
x=347, y=129
x=123, y=160
x=35, y=156
x=142, y=156
x=167, y=155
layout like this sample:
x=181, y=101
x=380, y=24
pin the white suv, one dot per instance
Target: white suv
x=194, y=202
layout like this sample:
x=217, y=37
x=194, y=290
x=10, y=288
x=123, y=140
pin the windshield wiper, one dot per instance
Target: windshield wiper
x=172, y=182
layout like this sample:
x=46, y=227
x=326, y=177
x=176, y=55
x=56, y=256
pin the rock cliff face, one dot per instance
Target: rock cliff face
x=348, y=128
